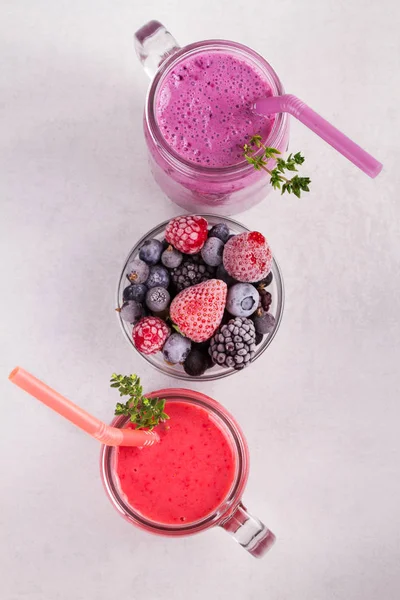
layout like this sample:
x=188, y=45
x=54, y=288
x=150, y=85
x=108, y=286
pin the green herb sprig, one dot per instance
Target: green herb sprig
x=146, y=413
x=295, y=185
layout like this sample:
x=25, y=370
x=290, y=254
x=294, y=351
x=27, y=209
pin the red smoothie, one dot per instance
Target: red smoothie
x=186, y=476
x=204, y=108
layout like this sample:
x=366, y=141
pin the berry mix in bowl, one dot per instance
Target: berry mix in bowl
x=200, y=297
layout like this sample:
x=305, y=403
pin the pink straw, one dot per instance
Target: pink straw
x=111, y=436
x=296, y=107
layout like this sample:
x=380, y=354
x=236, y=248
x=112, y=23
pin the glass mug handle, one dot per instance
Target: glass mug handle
x=249, y=532
x=153, y=44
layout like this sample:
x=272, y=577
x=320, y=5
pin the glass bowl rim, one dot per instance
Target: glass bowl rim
x=228, y=371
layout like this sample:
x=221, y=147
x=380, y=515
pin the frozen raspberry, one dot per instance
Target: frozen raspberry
x=198, y=310
x=187, y=233
x=247, y=257
x=149, y=335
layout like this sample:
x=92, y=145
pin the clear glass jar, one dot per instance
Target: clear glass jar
x=231, y=515
x=217, y=372
x=223, y=191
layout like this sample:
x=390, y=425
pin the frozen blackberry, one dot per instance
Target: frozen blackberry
x=265, y=299
x=190, y=272
x=234, y=344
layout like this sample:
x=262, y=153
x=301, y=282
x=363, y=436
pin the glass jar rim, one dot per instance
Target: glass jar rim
x=174, y=159
x=232, y=500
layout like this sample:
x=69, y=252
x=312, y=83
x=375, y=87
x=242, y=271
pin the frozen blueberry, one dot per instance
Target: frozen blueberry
x=158, y=276
x=220, y=231
x=259, y=338
x=135, y=291
x=137, y=271
x=176, y=348
x=223, y=274
x=264, y=322
x=157, y=299
x=242, y=299
x=171, y=258
x=151, y=251
x=131, y=311
x=212, y=251
x=196, y=363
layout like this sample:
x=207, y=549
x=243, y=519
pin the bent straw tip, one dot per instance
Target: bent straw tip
x=14, y=373
x=376, y=170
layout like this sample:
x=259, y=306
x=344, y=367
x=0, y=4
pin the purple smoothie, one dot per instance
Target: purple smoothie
x=204, y=108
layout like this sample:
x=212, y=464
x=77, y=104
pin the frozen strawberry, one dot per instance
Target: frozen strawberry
x=247, y=257
x=149, y=335
x=198, y=310
x=187, y=233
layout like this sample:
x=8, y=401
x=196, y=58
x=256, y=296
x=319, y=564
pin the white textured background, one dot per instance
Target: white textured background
x=320, y=409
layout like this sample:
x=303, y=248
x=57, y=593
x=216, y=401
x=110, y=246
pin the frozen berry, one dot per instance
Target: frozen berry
x=264, y=322
x=242, y=299
x=266, y=281
x=220, y=231
x=259, y=338
x=171, y=258
x=196, y=363
x=212, y=251
x=265, y=299
x=151, y=251
x=135, y=291
x=198, y=310
x=247, y=257
x=190, y=272
x=137, y=271
x=233, y=345
x=176, y=348
x=157, y=299
x=150, y=334
x=187, y=233
x=223, y=274
x=131, y=311
x=158, y=276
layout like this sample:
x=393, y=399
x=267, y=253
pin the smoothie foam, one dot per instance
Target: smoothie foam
x=204, y=108
x=186, y=476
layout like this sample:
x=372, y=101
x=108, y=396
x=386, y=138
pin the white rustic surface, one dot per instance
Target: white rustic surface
x=320, y=409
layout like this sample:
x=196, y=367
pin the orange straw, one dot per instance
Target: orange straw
x=111, y=436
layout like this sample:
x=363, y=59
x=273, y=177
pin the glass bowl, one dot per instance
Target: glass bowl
x=217, y=372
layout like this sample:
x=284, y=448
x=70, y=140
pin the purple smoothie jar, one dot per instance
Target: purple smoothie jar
x=189, y=153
